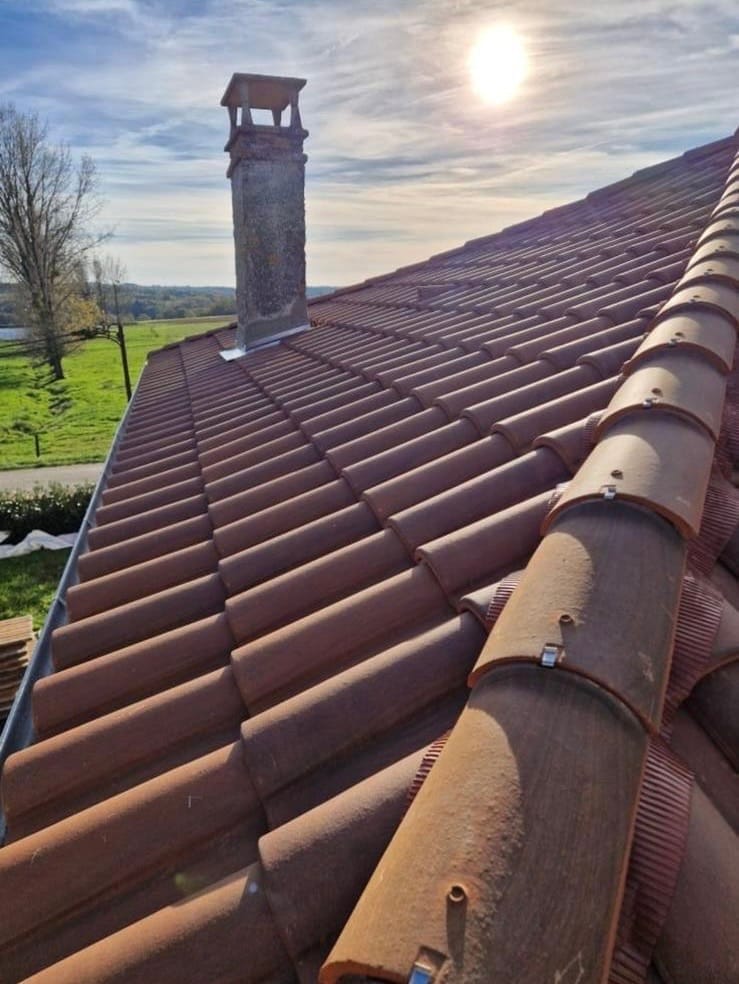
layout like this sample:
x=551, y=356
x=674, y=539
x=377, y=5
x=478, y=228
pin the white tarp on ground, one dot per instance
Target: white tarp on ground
x=35, y=540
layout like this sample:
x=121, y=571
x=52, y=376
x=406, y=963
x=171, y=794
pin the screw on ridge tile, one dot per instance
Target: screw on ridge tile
x=457, y=894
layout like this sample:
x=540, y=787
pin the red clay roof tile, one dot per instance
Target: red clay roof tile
x=674, y=380
x=117, y=679
x=521, y=430
x=438, y=472
x=478, y=497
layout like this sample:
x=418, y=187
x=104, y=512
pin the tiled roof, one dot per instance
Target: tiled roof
x=286, y=598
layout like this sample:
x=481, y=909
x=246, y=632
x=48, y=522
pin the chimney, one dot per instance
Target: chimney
x=267, y=172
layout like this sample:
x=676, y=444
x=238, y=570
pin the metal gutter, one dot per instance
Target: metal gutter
x=19, y=732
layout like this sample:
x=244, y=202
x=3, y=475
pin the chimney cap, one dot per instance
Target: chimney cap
x=273, y=92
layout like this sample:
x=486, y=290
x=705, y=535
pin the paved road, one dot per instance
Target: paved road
x=26, y=478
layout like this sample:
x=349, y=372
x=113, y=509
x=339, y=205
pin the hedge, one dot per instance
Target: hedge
x=52, y=508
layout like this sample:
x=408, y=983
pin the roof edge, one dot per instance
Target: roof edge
x=19, y=732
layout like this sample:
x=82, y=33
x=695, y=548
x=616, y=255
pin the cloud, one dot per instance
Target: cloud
x=95, y=7
x=403, y=159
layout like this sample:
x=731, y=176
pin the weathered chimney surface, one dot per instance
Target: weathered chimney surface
x=267, y=172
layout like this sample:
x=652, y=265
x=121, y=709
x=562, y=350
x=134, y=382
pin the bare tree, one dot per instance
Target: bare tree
x=108, y=274
x=46, y=205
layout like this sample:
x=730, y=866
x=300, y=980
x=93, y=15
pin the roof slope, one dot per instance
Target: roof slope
x=293, y=572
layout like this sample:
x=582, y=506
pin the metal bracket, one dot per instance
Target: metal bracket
x=549, y=656
x=608, y=491
x=420, y=975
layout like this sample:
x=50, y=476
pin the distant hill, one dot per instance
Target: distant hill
x=157, y=302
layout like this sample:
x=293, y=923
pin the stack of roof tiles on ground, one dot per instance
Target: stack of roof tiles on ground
x=292, y=576
x=16, y=644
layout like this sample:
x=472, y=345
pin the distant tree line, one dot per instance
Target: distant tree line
x=155, y=303
x=139, y=303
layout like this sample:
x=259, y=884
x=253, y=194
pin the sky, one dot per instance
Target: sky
x=404, y=157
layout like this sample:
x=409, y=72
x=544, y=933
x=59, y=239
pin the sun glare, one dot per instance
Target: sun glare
x=497, y=64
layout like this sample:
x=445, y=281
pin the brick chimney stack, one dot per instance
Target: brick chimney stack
x=267, y=172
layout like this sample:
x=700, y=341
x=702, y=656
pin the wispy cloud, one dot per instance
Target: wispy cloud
x=403, y=159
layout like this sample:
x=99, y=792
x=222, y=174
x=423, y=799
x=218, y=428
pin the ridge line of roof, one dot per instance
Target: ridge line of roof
x=641, y=174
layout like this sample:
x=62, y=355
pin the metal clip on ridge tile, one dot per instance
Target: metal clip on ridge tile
x=549, y=656
x=420, y=975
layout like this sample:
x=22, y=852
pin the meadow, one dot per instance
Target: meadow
x=28, y=584
x=76, y=419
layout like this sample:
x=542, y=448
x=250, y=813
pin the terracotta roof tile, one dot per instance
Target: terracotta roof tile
x=522, y=429
x=288, y=582
x=478, y=497
x=91, y=689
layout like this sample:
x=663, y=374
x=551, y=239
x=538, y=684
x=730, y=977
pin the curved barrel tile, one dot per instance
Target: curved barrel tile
x=463, y=868
x=652, y=459
x=568, y=609
x=675, y=381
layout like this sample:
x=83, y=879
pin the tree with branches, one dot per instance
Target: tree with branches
x=47, y=203
x=108, y=274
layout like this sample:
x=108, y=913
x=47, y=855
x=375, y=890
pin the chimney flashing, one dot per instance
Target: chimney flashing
x=228, y=355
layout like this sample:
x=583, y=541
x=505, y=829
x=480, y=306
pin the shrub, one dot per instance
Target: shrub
x=52, y=508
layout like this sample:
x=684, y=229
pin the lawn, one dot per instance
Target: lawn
x=92, y=395
x=28, y=584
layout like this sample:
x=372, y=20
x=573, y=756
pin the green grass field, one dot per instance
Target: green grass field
x=93, y=393
x=28, y=584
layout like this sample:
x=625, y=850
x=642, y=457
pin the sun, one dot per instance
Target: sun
x=498, y=64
